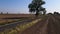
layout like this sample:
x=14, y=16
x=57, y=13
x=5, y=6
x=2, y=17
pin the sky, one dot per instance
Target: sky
x=21, y=6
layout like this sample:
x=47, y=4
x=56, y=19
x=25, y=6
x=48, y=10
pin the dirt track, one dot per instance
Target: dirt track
x=50, y=25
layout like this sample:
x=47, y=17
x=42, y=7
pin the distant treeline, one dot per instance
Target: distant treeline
x=55, y=13
x=3, y=13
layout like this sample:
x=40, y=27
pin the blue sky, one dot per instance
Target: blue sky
x=21, y=6
x=52, y=5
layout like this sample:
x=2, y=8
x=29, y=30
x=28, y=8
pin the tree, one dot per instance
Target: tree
x=50, y=14
x=36, y=6
x=1, y=12
x=56, y=13
x=7, y=12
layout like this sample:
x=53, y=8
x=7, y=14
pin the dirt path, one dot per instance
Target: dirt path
x=38, y=28
x=50, y=25
x=54, y=25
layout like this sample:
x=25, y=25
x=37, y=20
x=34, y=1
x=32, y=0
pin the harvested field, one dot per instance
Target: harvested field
x=15, y=15
x=20, y=28
x=9, y=18
x=6, y=21
x=49, y=24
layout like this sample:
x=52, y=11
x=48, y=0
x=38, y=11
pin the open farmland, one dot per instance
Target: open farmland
x=18, y=26
x=9, y=18
x=48, y=24
x=6, y=21
x=15, y=15
x=10, y=22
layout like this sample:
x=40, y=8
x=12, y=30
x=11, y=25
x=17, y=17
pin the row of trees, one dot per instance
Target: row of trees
x=36, y=6
x=3, y=13
x=55, y=13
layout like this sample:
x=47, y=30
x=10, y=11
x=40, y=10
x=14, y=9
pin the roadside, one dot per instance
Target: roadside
x=20, y=28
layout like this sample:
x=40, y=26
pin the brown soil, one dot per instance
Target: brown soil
x=50, y=25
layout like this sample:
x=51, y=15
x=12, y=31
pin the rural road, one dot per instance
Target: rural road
x=50, y=25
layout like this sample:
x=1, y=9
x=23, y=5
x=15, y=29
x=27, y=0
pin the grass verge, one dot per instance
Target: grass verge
x=20, y=28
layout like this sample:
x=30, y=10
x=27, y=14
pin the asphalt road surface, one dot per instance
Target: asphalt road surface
x=49, y=25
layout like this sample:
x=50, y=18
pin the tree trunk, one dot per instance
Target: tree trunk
x=37, y=13
x=44, y=12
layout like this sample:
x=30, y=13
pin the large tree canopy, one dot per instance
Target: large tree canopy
x=36, y=6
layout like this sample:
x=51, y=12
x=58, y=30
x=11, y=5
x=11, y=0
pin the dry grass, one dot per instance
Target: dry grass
x=15, y=15
x=20, y=28
x=6, y=21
